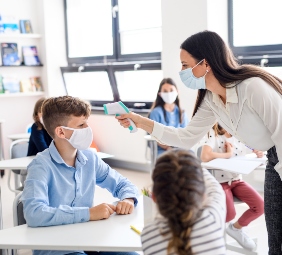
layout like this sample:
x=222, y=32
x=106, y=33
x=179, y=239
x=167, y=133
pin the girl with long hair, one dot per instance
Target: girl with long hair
x=191, y=204
x=220, y=144
x=245, y=100
x=166, y=109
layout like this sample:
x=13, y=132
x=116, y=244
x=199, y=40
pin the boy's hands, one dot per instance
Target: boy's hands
x=102, y=211
x=258, y=153
x=125, y=206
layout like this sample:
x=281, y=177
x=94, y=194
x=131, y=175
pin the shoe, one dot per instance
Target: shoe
x=241, y=237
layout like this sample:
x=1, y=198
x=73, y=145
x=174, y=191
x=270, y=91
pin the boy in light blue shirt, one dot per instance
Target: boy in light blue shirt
x=61, y=180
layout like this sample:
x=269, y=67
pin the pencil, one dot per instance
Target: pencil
x=135, y=229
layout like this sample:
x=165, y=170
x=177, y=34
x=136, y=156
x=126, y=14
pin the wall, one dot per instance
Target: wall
x=15, y=110
x=180, y=18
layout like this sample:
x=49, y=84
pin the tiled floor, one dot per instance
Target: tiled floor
x=140, y=179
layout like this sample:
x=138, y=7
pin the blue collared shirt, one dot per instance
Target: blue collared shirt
x=57, y=194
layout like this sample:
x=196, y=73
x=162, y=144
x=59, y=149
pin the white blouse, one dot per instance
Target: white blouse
x=253, y=114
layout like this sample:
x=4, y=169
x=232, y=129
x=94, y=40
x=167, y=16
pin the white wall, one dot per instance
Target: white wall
x=180, y=18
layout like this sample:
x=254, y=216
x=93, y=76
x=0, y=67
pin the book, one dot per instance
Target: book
x=232, y=165
x=10, y=24
x=30, y=56
x=11, y=84
x=25, y=27
x=36, y=84
x=25, y=85
x=9, y=53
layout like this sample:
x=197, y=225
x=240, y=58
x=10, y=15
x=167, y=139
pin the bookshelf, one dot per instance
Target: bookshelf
x=19, y=36
x=22, y=94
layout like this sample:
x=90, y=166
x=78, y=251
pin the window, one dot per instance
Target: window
x=113, y=51
x=252, y=34
x=136, y=85
x=112, y=30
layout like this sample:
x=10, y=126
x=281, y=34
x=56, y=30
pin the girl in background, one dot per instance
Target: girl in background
x=192, y=208
x=166, y=109
x=39, y=138
x=220, y=144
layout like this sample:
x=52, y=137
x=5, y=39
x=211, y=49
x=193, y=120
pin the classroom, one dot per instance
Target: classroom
x=107, y=51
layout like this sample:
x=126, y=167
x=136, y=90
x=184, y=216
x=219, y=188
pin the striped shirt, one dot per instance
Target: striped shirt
x=207, y=236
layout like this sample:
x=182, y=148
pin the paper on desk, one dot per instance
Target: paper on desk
x=232, y=165
x=252, y=157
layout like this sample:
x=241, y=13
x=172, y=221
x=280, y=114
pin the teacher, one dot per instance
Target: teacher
x=244, y=99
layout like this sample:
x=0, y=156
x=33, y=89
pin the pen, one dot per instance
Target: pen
x=135, y=229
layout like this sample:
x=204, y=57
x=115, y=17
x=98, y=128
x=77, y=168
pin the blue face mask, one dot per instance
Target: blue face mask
x=190, y=81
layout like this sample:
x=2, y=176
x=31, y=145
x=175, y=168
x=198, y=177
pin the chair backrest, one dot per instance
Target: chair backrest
x=18, y=214
x=18, y=149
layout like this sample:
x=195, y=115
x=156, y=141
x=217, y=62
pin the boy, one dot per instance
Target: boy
x=61, y=180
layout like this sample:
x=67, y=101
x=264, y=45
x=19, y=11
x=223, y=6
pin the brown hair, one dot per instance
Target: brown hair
x=160, y=102
x=218, y=130
x=178, y=186
x=57, y=111
x=225, y=67
x=36, y=110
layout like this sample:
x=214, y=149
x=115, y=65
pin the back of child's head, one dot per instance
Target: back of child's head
x=57, y=111
x=36, y=110
x=179, y=188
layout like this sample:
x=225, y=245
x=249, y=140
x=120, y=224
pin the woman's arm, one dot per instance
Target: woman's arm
x=186, y=137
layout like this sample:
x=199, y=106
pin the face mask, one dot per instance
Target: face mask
x=41, y=120
x=169, y=97
x=190, y=81
x=80, y=139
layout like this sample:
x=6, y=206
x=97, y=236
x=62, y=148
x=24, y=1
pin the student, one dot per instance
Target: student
x=61, y=180
x=166, y=109
x=220, y=144
x=246, y=101
x=192, y=209
x=39, y=138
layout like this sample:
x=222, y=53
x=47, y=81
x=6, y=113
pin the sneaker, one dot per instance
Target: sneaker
x=241, y=237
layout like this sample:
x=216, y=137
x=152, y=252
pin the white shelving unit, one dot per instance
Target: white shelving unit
x=19, y=36
x=22, y=94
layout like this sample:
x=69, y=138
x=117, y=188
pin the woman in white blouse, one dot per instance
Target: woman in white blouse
x=244, y=99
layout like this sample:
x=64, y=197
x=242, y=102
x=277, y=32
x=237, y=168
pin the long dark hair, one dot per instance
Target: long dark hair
x=179, y=188
x=36, y=110
x=225, y=67
x=160, y=102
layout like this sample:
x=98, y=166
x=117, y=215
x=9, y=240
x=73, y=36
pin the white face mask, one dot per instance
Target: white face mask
x=80, y=139
x=169, y=97
x=41, y=120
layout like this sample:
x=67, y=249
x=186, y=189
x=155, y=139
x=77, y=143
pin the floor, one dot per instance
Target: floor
x=140, y=179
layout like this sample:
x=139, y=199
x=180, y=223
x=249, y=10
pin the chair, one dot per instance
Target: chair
x=152, y=144
x=18, y=214
x=18, y=149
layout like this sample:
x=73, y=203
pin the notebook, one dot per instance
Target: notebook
x=233, y=165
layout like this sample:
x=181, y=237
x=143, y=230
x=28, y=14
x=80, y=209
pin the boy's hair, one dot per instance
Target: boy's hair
x=57, y=111
x=36, y=110
x=179, y=188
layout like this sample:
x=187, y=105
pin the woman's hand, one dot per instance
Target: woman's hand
x=123, y=121
x=258, y=153
x=139, y=121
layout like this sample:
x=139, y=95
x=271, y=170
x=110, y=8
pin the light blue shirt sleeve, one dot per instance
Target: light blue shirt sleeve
x=35, y=198
x=119, y=186
x=156, y=115
x=185, y=120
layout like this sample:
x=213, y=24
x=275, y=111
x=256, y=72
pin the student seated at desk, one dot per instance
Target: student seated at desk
x=39, y=138
x=220, y=144
x=192, y=207
x=166, y=109
x=61, y=180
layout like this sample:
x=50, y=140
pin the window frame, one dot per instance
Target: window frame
x=111, y=68
x=117, y=56
x=264, y=55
